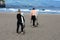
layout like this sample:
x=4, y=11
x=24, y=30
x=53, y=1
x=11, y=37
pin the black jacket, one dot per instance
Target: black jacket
x=19, y=18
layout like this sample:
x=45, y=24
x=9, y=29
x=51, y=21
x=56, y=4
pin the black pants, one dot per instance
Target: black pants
x=33, y=22
x=18, y=25
x=33, y=18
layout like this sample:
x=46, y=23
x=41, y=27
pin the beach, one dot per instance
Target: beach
x=48, y=28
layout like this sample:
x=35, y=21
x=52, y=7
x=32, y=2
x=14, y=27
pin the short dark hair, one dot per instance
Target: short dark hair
x=33, y=8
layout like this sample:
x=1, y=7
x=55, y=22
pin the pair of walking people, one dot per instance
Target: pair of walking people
x=21, y=19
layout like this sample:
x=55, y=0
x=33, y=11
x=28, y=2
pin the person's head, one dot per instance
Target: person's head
x=33, y=9
x=19, y=12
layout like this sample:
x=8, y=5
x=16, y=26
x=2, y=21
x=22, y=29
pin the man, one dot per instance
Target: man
x=33, y=15
x=20, y=21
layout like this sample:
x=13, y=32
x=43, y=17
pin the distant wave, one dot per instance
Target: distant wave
x=26, y=10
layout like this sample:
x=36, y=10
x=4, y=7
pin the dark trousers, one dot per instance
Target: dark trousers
x=33, y=18
x=33, y=22
x=18, y=25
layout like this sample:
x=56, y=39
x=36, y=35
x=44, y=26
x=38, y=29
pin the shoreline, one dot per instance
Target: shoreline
x=27, y=13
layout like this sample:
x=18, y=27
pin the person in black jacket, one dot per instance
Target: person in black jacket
x=20, y=21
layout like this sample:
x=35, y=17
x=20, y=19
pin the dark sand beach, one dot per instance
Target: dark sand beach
x=48, y=29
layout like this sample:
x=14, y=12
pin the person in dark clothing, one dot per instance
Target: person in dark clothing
x=33, y=18
x=20, y=21
x=33, y=15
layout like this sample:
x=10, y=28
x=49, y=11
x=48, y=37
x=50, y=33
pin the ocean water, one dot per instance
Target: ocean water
x=40, y=11
x=27, y=5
